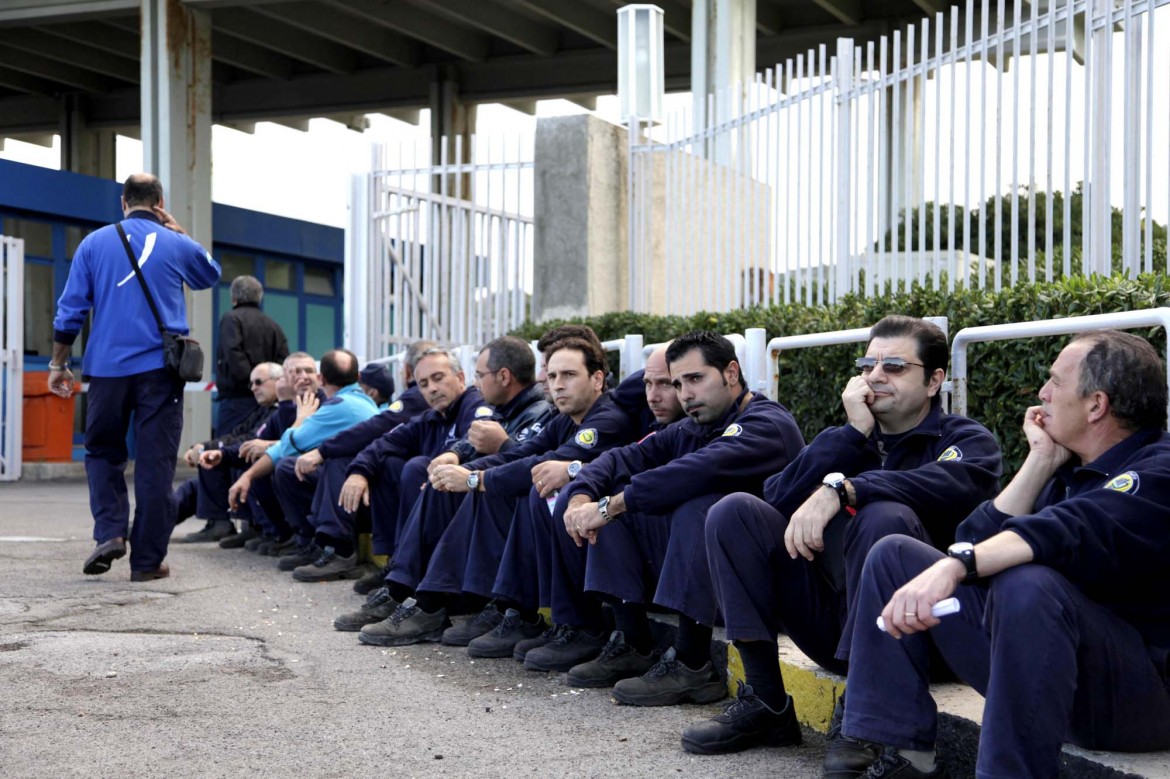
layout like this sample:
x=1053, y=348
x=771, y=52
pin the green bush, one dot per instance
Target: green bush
x=1004, y=376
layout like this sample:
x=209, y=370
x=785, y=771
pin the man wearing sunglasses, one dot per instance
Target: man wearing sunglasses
x=791, y=562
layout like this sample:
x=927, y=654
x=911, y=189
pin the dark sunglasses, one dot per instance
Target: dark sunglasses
x=258, y=382
x=893, y=366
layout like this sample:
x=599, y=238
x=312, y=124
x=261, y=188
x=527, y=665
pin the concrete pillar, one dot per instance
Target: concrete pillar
x=176, y=147
x=723, y=64
x=581, y=248
x=84, y=149
x=451, y=119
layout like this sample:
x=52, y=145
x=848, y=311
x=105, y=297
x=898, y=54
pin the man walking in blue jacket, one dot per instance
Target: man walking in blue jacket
x=127, y=375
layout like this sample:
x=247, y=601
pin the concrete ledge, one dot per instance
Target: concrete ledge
x=815, y=691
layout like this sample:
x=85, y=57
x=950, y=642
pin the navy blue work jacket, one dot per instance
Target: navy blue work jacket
x=522, y=417
x=349, y=442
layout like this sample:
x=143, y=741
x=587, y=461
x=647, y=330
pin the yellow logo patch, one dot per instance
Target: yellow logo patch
x=1125, y=482
x=952, y=453
x=483, y=412
x=396, y=406
x=587, y=438
x=733, y=429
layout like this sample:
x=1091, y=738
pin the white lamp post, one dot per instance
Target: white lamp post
x=641, y=91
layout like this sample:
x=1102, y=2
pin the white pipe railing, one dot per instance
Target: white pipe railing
x=11, y=357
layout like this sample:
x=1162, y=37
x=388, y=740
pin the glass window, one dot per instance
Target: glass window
x=278, y=275
x=285, y=309
x=38, y=236
x=39, y=308
x=73, y=236
x=319, y=281
x=236, y=265
x=320, y=329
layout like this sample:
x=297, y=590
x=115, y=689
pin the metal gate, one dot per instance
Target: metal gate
x=11, y=355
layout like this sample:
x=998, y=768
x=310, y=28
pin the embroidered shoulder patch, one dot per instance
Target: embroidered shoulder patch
x=1124, y=482
x=733, y=429
x=483, y=412
x=586, y=438
x=396, y=406
x=952, y=453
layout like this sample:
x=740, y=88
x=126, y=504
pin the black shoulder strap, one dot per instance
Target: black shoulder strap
x=141, y=278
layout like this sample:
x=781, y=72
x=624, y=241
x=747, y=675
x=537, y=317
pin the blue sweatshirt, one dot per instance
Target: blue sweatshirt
x=604, y=426
x=124, y=339
x=350, y=406
x=685, y=460
x=428, y=435
x=942, y=469
x=352, y=440
x=1104, y=526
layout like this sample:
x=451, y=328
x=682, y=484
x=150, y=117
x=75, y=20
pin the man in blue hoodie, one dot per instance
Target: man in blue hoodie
x=1064, y=621
x=127, y=375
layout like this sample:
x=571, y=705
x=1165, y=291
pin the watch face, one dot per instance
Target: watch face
x=473, y=481
x=574, y=469
x=961, y=547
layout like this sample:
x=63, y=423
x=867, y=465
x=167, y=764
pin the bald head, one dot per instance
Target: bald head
x=141, y=190
x=660, y=393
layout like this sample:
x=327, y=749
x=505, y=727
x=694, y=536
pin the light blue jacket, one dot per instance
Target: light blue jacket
x=344, y=410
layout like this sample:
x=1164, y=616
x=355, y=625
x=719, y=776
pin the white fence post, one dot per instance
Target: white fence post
x=11, y=357
x=843, y=280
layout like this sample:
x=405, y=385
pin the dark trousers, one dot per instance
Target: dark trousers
x=525, y=571
x=212, y=493
x=328, y=517
x=1052, y=664
x=389, y=491
x=230, y=412
x=155, y=401
x=467, y=556
x=265, y=509
x=428, y=520
x=186, y=498
x=295, y=497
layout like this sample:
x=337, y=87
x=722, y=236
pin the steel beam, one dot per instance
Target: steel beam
x=24, y=12
x=253, y=59
x=347, y=31
x=848, y=12
x=23, y=82
x=579, y=17
x=105, y=36
x=39, y=43
x=43, y=67
x=416, y=23
x=499, y=20
x=286, y=40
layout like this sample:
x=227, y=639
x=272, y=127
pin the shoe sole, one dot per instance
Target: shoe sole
x=709, y=692
x=741, y=743
x=292, y=566
x=101, y=563
x=555, y=667
x=353, y=627
x=609, y=681
x=463, y=640
x=336, y=576
x=432, y=637
x=496, y=653
x=519, y=656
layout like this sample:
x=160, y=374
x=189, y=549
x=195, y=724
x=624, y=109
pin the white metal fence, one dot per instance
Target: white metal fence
x=441, y=251
x=1001, y=141
x=11, y=355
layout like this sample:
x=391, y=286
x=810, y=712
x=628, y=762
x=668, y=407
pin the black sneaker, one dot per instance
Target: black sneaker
x=407, y=625
x=214, y=530
x=891, y=765
x=746, y=722
x=238, y=540
x=256, y=543
x=522, y=648
x=378, y=606
x=469, y=630
x=304, y=555
x=671, y=682
x=506, y=636
x=280, y=548
x=847, y=758
x=373, y=580
x=618, y=660
x=569, y=646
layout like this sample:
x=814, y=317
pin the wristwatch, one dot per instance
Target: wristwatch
x=473, y=481
x=603, y=509
x=574, y=468
x=964, y=552
x=836, y=482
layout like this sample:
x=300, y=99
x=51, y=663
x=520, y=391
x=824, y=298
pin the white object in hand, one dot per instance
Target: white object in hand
x=940, y=609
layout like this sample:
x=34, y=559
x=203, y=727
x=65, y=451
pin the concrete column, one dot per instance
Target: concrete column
x=451, y=119
x=84, y=149
x=723, y=63
x=581, y=248
x=176, y=147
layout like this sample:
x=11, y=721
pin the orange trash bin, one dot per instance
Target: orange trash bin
x=47, y=420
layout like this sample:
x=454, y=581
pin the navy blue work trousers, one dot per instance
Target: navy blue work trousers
x=327, y=517
x=392, y=496
x=524, y=576
x=154, y=400
x=762, y=591
x=1052, y=664
x=295, y=497
x=467, y=556
x=428, y=520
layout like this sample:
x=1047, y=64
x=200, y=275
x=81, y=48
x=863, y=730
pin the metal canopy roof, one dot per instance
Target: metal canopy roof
x=342, y=59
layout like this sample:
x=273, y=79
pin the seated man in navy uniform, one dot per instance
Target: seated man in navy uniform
x=1064, y=620
x=790, y=563
x=651, y=499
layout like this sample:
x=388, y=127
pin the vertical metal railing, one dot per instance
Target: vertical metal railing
x=11, y=356
x=448, y=252
x=999, y=142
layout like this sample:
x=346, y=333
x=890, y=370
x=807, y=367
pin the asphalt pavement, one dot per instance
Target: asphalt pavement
x=230, y=668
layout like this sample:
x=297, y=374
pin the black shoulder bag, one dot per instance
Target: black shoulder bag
x=183, y=356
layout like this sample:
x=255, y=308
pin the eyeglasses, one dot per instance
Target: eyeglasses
x=259, y=382
x=893, y=366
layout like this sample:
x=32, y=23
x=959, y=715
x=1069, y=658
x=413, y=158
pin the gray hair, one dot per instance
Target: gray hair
x=1128, y=370
x=452, y=357
x=247, y=289
x=415, y=352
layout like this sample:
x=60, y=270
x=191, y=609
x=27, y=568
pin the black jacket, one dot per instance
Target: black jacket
x=522, y=417
x=247, y=337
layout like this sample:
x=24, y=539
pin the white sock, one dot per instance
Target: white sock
x=923, y=761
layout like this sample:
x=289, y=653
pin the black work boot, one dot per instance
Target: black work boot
x=847, y=758
x=618, y=660
x=746, y=722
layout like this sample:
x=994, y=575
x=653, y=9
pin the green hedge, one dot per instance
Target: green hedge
x=1004, y=376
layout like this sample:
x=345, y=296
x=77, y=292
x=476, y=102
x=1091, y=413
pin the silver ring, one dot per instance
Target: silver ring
x=911, y=614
